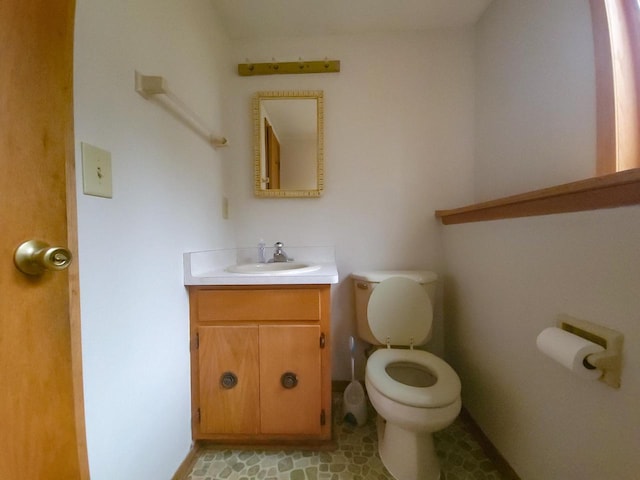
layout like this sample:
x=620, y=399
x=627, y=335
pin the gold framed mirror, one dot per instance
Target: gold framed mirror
x=288, y=143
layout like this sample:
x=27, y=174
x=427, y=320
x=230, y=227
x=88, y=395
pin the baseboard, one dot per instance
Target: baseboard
x=280, y=445
x=187, y=464
x=489, y=448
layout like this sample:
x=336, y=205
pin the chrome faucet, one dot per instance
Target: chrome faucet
x=278, y=254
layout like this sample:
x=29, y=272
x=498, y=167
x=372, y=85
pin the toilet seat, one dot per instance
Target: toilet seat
x=399, y=312
x=444, y=392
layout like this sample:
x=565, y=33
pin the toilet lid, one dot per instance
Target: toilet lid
x=444, y=392
x=400, y=309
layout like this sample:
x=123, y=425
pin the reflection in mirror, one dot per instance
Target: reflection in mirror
x=288, y=143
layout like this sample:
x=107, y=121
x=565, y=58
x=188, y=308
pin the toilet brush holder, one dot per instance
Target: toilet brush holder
x=355, y=404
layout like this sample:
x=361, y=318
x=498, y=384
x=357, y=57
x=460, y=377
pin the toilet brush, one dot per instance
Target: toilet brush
x=355, y=405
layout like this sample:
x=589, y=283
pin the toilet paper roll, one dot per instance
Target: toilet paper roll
x=569, y=350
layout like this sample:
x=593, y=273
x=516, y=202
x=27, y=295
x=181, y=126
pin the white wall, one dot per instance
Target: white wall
x=398, y=145
x=167, y=190
x=535, y=96
x=507, y=280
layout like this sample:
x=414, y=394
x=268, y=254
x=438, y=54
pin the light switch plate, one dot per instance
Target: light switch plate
x=96, y=171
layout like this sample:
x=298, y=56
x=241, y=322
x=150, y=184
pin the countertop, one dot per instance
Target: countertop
x=209, y=267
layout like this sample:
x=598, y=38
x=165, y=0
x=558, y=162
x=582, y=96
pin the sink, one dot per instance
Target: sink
x=275, y=268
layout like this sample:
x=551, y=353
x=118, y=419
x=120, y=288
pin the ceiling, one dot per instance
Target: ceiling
x=295, y=18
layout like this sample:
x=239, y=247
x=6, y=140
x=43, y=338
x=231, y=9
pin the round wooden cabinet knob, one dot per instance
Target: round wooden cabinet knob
x=289, y=380
x=228, y=380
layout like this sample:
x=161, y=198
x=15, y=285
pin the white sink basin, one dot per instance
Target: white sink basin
x=275, y=268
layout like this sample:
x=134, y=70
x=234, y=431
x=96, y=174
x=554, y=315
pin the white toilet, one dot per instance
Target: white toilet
x=414, y=392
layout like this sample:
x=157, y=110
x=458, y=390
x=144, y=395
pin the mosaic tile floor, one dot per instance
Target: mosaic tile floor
x=356, y=458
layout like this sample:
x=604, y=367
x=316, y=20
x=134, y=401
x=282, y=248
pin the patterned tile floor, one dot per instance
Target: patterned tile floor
x=356, y=458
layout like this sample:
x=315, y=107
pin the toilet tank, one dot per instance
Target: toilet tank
x=365, y=282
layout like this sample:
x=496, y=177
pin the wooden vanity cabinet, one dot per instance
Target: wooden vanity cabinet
x=260, y=363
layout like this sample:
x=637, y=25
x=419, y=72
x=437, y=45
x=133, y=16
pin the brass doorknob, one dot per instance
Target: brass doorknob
x=34, y=257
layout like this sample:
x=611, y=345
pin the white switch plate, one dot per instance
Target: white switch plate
x=96, y=171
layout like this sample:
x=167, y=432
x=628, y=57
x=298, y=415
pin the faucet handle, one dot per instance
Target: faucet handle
x=279, y=255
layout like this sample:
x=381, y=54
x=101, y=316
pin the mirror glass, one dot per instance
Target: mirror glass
x=288, y=143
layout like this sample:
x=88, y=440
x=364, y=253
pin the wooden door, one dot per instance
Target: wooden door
x=291, y=349
x=272, y=149
x=229, y=378
x=41, y=414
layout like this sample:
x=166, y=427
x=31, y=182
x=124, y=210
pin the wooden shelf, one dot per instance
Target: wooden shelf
x=608, y=191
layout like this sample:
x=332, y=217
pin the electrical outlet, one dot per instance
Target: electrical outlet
x=96, y=171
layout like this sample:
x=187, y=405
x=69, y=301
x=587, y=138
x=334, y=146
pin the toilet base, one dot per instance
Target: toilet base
x=406, y=454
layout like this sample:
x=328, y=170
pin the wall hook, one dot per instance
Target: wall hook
x=321, y=66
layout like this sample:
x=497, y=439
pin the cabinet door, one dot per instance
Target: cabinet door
x=234, y=352
x=290, y=349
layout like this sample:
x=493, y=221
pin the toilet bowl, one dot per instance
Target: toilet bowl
x=414, y=392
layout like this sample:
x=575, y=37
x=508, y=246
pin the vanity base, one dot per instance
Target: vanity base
x=261, y=365
x=275, y=444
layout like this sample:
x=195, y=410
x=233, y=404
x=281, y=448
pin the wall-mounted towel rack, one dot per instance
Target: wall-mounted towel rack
x=152, y=86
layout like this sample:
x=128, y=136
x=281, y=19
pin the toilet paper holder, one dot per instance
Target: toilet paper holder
x=609, y=360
